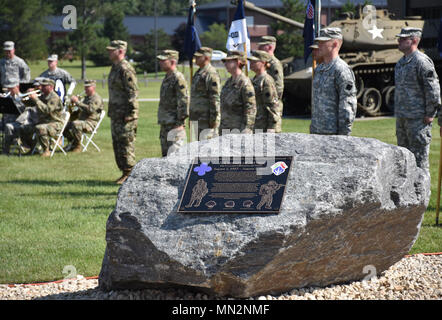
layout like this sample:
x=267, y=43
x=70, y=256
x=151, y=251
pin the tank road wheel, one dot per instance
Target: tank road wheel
x=371, y=101
x=388, y=95
x=359, y=86
x=385, y=77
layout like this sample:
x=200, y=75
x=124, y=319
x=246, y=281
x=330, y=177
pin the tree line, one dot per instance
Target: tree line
x=99, y=21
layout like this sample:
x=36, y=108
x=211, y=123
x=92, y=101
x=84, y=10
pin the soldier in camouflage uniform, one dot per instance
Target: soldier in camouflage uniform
x=205, y=96
x=123, y=108
x=13, y=68
x=89, y=114
x=55, y=73
x=50, y=115
x=268, y=44
x=417, y=97
x=238, y=103
x=267, y=101
x=334, y=91
x=174, y=104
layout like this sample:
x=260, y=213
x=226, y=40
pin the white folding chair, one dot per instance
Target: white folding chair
x=89, y=138
x=67, y=115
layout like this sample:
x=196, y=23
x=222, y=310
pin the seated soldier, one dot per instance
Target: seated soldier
x=13, y=92
x=50, y=114
x=23, y=126
x=89, y=114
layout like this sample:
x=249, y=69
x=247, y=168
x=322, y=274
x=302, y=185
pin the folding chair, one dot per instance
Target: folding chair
x=89, y=139
x=67, y=115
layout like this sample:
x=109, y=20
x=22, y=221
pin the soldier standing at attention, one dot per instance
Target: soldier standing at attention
x=13, y=68
x=205, y=96
x=334, y=92
x=267, y=102
x=90, y=108
x=268, y=44
x=50, y=119
x=238, y=103
x=416, y=98
x=55, y=73
x=123, y=108
x=174, y=104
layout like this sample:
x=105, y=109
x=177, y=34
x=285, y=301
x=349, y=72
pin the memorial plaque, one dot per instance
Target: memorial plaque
x=235, y=186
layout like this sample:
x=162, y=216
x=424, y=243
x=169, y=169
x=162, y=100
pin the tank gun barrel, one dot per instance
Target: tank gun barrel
x=253, y=7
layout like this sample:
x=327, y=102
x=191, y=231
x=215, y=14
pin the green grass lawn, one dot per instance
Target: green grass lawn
x=147, y=90
x=53, y=212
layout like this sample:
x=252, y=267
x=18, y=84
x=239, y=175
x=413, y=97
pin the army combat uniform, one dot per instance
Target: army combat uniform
x=417, y=95
x=334, y=100
x=276, y=71
x=205, y=98
x=238, y=102
x=267, y=102
x=13, y=70
x=90, y=108
x=50, y=117
x=60, y=74
x=173, y=107
x=123, y=109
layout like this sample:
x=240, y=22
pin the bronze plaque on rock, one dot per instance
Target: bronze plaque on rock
x=235, y=186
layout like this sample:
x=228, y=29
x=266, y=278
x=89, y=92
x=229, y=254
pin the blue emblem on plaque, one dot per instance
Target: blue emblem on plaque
x=203, y=169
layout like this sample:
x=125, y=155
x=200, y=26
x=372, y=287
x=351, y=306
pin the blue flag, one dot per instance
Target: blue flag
x=238, y=34
x=192, y=41
x=309, y=30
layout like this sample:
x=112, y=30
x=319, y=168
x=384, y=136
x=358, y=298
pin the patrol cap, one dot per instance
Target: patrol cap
x=8, y=45
x=410, y=32
x=204, y=51
x=89, y=83
x=53, y=57
x=267, y=40
x=47, y=82
x=240, y=55
x=37, y=81
x=259, y=55
x=329, y=34
x=117, y=44
x=168, y=54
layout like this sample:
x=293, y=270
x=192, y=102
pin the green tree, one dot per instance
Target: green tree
x=178, y=40
x=23, y=23
x=113, y=29
x=145, y=54
x=289, y=38
x=215, y=37
x=85, y=38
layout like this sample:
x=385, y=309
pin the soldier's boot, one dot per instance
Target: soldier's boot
x=125, y=175
x=77, y=148
x=46, y=153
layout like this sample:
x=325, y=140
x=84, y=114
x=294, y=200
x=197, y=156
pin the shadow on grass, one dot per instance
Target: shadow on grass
x=62, y=195
x=104, y=207
x=86, y=183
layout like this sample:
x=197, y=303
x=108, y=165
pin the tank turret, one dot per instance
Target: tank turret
x=369, y=48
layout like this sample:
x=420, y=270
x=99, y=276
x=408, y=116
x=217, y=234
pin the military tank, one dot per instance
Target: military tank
x=371, y=56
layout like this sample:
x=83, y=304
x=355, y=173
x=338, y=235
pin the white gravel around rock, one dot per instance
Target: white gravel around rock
x=417, y=277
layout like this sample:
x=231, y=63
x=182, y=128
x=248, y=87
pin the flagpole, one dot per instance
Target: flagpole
x=193, y=5
x=245, y=50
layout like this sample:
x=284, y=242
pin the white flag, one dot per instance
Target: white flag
x=238, y=34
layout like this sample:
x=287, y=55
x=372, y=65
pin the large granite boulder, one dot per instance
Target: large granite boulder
x=349, y=203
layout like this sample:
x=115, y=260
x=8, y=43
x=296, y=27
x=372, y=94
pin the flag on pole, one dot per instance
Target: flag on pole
x=309, y=30
x=238, y=37
x=191, y=41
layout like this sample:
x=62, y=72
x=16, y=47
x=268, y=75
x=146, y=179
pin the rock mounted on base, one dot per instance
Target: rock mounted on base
x=349, y=203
